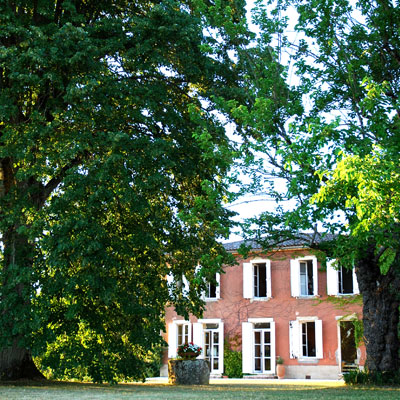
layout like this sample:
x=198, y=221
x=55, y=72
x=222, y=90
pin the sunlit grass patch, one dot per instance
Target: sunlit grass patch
x=223, y=389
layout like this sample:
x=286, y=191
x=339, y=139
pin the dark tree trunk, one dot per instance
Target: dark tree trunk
x=380, y=312
x=16, y=363
x=15, y=308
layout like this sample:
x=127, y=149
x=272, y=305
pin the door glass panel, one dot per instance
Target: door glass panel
x=216, y=337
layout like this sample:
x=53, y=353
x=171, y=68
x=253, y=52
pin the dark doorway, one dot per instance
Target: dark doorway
x=347, y=343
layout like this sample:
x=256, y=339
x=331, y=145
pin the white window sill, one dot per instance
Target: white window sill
x=210, y=299
x=260, y=299
x=313, y=296
x=308, y=360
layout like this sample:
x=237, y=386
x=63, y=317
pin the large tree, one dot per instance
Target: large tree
x=111, y=166
x=324, y=115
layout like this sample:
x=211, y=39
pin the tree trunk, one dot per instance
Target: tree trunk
x=380, y=312
x=17, y=363
x=15, y=308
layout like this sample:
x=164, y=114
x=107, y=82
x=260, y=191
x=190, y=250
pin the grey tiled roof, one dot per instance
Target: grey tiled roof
x=303, y=240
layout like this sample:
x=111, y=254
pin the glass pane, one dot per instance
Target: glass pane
x=267, y=364
x=267, y=351
x=262, y=280
x=310, y=283
x=311, y=339
x=207, y=337
x=215, y=363
x=257, y=350
x=267, y=337
x=347, y=280
x=211, y=326
x=216, y=351
x=262, y=325
x=257, y=364
x=216, y=337
x=257, y=337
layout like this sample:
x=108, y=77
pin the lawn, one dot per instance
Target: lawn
x=217, y=390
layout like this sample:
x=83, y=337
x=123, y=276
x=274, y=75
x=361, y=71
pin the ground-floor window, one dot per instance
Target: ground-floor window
x=305, y=336
x=179, y=332
x=258, y=346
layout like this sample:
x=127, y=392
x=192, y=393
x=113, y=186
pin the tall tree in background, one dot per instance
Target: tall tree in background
x=111, y=166
x=325, y=119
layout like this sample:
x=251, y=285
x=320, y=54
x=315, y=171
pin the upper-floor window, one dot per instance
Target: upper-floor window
x=257, y=279
x=213, y=288
x=340, y=280
x=304, y=276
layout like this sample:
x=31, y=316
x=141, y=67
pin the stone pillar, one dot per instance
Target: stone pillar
x=188, y=372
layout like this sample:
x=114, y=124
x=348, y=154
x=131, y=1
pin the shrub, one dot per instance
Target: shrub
x=372, y=378
x=233, y=363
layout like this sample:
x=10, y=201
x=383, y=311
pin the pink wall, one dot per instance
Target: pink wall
x=233, y=309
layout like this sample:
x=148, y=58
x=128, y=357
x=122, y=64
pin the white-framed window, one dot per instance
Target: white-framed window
x=258, y=346
x=257, y=279
x=305, y=336
x=182, y=283
x=209, y=335
x=340, y=280
x=179, y=332
x=304, y=276
x=213, y=289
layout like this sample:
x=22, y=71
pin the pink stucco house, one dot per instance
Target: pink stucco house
x=282, y=303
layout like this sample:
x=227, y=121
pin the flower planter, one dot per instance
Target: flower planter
x=188, y=372
x=188, y=355
x=280, y=371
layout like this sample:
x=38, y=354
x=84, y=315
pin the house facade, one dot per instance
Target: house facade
x=282, y=303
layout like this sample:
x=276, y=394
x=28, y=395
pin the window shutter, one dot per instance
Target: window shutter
x=295, y=277
x=332, y=281
x=198, y=336
x=247, y=347
x=356, y=289
x=221, y=347
x=318, y=339
x=294, y=339
x=315, y=275
x=248, y=287
x=185, y=284
x=170, y=282
x=273, y=346
x=268, y=268
x=172, y=340
x=218, y=289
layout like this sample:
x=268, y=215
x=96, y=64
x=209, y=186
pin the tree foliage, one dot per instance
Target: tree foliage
x=111, y=175
x=324, y=118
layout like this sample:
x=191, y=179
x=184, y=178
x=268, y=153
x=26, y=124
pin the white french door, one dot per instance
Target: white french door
x=262, y=351
x=211, y=348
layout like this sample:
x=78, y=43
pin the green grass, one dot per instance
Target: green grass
x=224, y=390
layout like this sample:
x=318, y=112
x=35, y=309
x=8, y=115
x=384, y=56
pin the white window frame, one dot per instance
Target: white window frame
x=198, y=338
x=295, y=338
x=173, y=336
x=295, y=276
x=332, y=280
x=248, y=344
x=248, y=279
